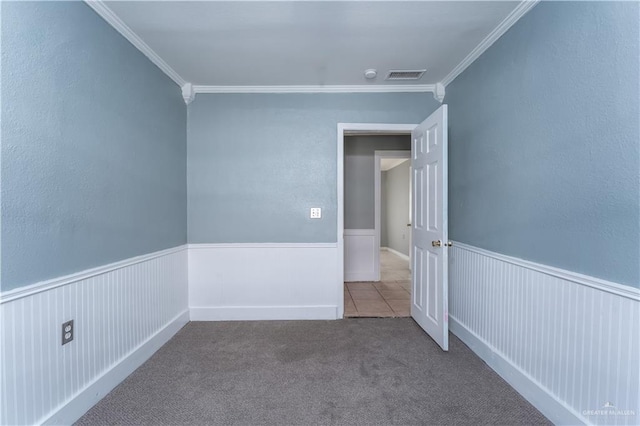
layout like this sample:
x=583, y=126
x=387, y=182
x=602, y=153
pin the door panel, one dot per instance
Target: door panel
x=418, y=256
x=430, y=232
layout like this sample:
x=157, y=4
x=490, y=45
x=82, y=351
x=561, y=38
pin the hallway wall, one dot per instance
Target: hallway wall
x=359, y=175
x=396, y=199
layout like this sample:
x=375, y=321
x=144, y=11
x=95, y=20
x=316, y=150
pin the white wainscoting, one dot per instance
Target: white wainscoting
x=263, y=281
x=567, y=342
x=361, y=255
x=122, y=314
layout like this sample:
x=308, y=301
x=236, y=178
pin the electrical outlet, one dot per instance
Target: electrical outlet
x=67, y=332
x=316, y=213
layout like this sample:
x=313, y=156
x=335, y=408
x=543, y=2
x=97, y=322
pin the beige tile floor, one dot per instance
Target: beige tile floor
x=391, y=297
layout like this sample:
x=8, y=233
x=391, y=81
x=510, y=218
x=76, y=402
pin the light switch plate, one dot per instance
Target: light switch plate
x=316, y=213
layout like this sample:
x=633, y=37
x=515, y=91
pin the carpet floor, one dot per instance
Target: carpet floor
x=350, y=372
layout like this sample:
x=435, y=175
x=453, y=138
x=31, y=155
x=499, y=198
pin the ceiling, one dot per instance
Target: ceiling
x=310, y=43
x=389, y=163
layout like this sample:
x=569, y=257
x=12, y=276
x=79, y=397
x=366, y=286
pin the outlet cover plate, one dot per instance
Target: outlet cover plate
x=67, y=332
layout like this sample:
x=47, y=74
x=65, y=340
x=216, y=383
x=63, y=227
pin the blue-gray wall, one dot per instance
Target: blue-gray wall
x=93, y=145
x=544, y=141
x=258, y=162
x=359, y=175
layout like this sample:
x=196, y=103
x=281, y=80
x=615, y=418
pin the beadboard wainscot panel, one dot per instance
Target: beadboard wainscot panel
x=568, y=343
x=122, y=312
x=263, y=281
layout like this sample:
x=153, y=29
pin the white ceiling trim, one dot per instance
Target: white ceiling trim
x=399, y=88
x=517, y=13
x=108, y=15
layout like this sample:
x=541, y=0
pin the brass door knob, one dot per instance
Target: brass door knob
x=438, y=243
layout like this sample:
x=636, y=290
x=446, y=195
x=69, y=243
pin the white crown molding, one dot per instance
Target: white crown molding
x=108, y=15
x=517, y=13
x=398, y=88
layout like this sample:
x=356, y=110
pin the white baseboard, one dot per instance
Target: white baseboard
x=263, y=281
x=396, y=252
x=553, y=409
x=568, y=343
x=263, y=313
x=350, y=277
x=95, y=391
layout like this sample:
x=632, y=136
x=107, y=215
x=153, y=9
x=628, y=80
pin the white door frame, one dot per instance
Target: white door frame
x=354, y=129
x=379, y=155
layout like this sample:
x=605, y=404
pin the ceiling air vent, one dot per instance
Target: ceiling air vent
x=405, y=75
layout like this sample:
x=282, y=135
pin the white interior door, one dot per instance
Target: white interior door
x=429, y=298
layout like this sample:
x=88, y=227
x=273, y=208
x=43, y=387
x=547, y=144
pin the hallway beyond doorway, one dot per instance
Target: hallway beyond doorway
x=391, y=297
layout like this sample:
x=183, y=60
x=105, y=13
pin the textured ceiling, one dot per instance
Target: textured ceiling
x=244, y=43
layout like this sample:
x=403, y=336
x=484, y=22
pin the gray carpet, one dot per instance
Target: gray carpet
x=349, y=372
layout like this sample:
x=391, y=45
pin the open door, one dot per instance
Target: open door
x=429, y=301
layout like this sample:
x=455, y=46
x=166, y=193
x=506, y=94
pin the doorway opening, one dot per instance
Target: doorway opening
x=429, y=220
x=374, y=205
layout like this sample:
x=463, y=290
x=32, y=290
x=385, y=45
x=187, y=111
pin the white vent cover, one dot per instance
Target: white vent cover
x=405, y=74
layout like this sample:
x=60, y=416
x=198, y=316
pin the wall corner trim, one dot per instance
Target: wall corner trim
x=112, y=19
x=439, y=92
x=515, y=15
x=188, y=94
